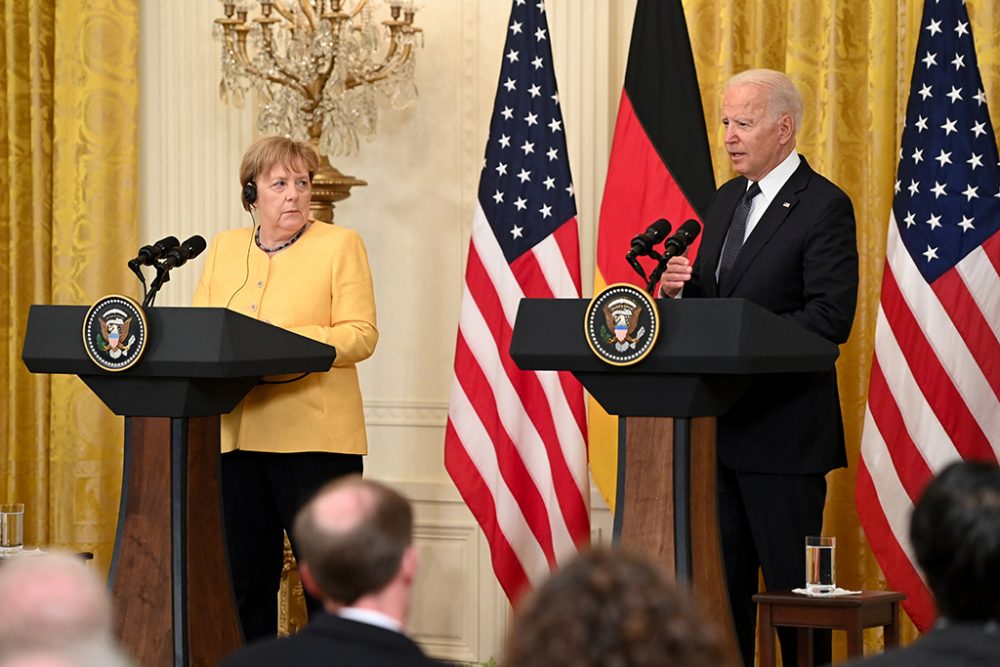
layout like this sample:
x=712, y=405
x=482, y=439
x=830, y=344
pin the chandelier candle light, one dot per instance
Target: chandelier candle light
x=317, y=66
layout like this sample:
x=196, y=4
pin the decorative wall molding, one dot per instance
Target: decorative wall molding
x=405, y=412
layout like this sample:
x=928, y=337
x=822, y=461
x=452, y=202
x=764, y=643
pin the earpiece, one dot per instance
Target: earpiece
x=249, y=194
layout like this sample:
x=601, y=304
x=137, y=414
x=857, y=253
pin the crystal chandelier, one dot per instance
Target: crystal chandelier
x=318, y=67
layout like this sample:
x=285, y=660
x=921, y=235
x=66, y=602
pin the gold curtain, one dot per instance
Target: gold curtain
x=852, y=62
x=69, y=202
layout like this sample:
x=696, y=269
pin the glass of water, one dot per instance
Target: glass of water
x=821, y=564
x=11, y=528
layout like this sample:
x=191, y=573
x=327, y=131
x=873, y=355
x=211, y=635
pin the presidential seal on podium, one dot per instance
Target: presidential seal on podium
x=622, y=324
x=115, y=332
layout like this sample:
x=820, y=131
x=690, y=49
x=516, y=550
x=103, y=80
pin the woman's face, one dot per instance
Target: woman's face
x=283, y=196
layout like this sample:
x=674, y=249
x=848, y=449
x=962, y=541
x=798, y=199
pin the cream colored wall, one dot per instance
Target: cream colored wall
x=415, y=214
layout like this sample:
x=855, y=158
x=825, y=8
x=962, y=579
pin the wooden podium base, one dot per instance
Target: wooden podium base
x=172, y=594
x=667, y=507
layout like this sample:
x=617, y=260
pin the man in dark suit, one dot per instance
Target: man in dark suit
x=356, y=542
x=782, y=236
x=955, y=533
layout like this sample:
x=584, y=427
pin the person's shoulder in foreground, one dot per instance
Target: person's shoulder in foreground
x=955, y=535
x=333, y=641
x=356, y=554
x=949, y=645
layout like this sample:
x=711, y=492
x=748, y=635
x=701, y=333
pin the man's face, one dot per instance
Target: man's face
x=756, y=141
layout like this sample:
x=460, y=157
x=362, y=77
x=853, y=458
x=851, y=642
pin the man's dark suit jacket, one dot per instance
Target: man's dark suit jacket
x=801, y=262
x=333, y=641
x=958, y=645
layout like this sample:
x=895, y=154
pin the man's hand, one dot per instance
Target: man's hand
x=678, y=272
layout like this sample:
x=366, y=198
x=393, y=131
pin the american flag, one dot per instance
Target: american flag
x=935, y=378
x=514, y=442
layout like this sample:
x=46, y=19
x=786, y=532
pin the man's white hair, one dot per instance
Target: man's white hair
x=781, y=94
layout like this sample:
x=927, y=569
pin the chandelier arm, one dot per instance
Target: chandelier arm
x=239, y=53
x=324, y=76
x=238, y=50
x=285, y=12
x=383, y=71
x=309, y=14
x=357, y=9
x=289, y=80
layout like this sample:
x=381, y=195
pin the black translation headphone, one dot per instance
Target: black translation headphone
x=249, y=195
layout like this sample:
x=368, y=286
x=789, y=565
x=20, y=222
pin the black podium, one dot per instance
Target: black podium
x=708, y=352
x=173, y=598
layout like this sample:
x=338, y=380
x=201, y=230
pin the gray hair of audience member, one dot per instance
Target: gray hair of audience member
x=610, y=608
x=352, y=536
x=955, y=531
x=50, y=600
x=781, y=94
x=92, y=653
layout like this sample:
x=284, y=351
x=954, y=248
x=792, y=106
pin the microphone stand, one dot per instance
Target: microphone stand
x=654, y=277
x=134, y=266
x=162, y=276
x=634, y=263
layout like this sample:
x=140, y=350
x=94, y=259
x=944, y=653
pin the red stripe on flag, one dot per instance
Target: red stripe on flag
x=941, y=306
x=528, y=274
x=932, y=378
x=535, y=404
x=523, y=238
x=571, y=388
x=913, y=471
x=899, y=572
x=478, y=495
x=972, y=326
x=568, y=239
x=520, y=482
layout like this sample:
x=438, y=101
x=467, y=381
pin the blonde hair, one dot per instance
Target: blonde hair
x=782, y=95
x=266, y=152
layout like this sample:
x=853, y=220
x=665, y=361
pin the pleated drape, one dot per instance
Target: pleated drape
x=68, y=201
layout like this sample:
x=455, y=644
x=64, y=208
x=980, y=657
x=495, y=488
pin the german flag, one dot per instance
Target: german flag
x=660, y=167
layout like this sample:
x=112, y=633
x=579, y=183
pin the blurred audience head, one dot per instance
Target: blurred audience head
x=96, y=653
x=955, y=531
x=51, y=600
x=355, y=540
x=609, y=608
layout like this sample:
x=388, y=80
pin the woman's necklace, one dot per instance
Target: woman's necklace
x=256, y=238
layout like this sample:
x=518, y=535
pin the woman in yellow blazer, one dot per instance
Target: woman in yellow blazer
x=285, y=441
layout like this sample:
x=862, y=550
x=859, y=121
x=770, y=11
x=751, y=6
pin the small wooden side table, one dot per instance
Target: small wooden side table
x=852, y=613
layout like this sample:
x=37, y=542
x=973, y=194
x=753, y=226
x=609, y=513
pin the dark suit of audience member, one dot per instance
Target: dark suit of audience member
x=357, y=556
x=329, y=639
x=955, y=532
x=783, y=237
